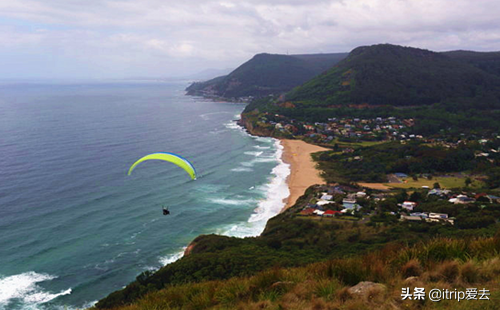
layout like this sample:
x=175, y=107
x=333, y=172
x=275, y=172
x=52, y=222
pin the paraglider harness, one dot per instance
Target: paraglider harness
x=165, y=211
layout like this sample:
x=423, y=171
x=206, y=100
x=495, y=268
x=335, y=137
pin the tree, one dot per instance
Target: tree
x=401, y=196
x=436, y=185
x=468, y=181
x=417, y=196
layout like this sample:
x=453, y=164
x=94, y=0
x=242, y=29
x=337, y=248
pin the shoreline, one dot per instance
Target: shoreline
x=303, y=171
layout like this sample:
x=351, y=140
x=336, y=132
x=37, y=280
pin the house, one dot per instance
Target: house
x=493, y=199
x=307, y=212
x=326, y=197
x=336, y=190
x=438, y=216
x=420, y=214
x=349, y=200
x=360, y=194
x=331, y=213
x=319, y=212
x=351, y=206
x=323, y=202
x=438, y=192
x=409, y=205
x=462, y=199
x=489, y=198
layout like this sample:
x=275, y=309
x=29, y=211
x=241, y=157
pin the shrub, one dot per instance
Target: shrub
x=411, y=268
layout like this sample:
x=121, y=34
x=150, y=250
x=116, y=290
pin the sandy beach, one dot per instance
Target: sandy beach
x=303, y=172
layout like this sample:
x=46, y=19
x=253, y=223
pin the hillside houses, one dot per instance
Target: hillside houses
x=378, y=128
x=373, y=129
x=428, y=217
x=432, y=206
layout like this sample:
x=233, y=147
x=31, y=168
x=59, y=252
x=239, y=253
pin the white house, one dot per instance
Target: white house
x=409, y=205
x=326, y=197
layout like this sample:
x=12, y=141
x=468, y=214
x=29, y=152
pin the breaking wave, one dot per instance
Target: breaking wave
x=23, y=289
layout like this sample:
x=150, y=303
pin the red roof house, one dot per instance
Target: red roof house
x=331, y=213
x=307, y=211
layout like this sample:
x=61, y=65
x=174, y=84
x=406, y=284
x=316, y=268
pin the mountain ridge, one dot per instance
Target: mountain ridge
x=266, y=74
x=388, y=74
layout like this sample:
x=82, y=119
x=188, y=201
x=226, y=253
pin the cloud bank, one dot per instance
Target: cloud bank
x=125, y=38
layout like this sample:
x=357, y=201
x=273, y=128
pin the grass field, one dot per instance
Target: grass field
x=356, y=144
x=444, y=182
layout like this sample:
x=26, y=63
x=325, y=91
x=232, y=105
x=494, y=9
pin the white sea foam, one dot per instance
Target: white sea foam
x=264, y=139
x=258, y=160
x=232, y=202
x=276, y=192
x=23, y=287
x=233, y=125
x=256, y=154
x=242, y=169
x=262, y=147
x=206, y=116
x=172, y=257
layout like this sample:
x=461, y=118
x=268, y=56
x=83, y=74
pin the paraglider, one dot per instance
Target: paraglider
x=170, y=157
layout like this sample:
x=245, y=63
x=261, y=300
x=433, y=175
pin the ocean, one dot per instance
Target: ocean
x=74, y=227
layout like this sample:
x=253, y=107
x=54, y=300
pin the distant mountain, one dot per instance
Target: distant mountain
x=402, y=76
x=266, y=74
x=209, y=74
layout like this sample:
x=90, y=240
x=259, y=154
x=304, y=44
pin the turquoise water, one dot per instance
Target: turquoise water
x=74, y=227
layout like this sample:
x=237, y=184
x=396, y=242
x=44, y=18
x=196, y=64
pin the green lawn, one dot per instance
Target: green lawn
x=444, y=182
x=356, y=144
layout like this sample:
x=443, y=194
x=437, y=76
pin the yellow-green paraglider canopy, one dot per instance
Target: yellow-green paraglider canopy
x=170, y=157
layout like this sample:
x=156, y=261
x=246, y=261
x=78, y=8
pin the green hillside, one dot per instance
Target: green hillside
x=487, y=61
x=266, y=74
x=456, y=265
x=398, y=76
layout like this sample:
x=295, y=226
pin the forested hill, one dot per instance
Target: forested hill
x=487, y=61
x=266, y=74
x=402, y=76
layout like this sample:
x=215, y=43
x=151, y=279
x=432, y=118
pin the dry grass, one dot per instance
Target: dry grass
x=440, y=263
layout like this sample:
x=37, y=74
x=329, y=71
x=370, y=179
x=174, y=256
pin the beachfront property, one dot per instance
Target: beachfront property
x=336, y=130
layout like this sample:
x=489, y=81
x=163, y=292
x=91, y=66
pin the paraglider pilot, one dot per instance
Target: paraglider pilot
x=165, y=211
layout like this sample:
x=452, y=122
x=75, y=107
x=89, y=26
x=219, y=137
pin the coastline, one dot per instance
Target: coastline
x=303, y=171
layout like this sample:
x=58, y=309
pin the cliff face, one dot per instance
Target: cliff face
x=249, y=125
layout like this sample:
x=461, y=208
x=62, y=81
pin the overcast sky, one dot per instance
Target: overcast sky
x=161, y=38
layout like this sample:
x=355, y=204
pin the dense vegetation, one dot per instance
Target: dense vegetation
x=290, y=240
x=438, y=263
x=397, y=76
x=267, y=74
x=375, y=162
x=487, y=61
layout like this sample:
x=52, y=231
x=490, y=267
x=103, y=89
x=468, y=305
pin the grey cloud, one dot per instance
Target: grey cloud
x=154, y=37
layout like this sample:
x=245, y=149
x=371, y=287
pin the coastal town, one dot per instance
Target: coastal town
x=379, y=129
x=353, y=203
